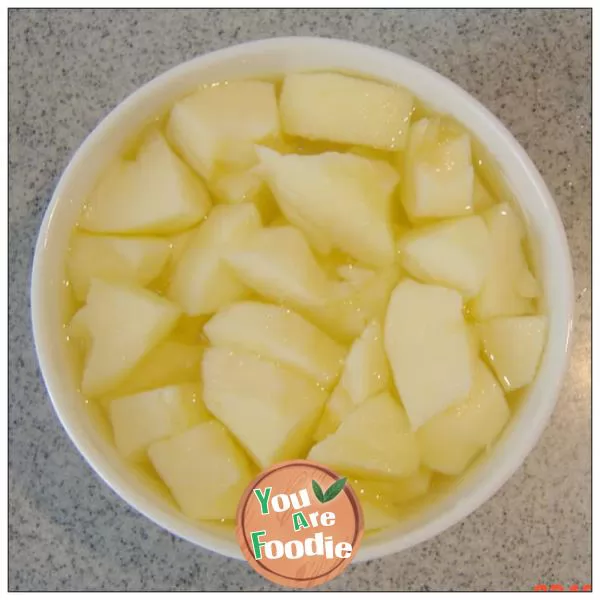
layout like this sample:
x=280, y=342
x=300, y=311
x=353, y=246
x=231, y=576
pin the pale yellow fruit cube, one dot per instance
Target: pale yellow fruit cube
x=346, y=313
x=454, y=254
x=271, y=410
x=245, y=186
x=135, y=260
x=217, y=125
x=202, y=282
x=374, y=441
x=178, y=243
x=482, y=198
x=509, y=285
x=168, y=363
x=428, y=347
x=378, y=515
x=238, y=186
x=399, y=491
x=438, y=172
x=78, y=327
x=125, y=323
x=338, y=407
x=141, y=419
x=341, y=196
x=349, y=110
x=450, y=440
x=355, y=274
x=278, y=264
x=280, y=335
x=204, y=469
x=156, y=193
x=366, y=369
x=514, y=346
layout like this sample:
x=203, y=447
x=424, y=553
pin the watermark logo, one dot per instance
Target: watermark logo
x=299, y=524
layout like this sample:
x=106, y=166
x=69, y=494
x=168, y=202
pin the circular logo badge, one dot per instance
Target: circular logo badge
x=299, y=524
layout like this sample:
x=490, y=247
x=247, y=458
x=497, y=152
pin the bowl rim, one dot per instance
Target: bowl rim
x=493, y=482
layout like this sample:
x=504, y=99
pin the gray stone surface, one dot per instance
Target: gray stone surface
x=68, y=68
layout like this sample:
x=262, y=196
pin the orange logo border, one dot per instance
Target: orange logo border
x=301, y=582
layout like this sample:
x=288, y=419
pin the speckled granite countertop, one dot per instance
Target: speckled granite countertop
x=67, y=530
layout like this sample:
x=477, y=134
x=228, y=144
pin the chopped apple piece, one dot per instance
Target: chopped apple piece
x=482, y=199
x=338, y=407
x=202, y=281
x=156, y=193
x=125, y=323
x=277, y=263
x=438, y=172
x=318, y=239
x=348, y=110
x=136, y=260
x=399, y=491
x=513, y=346
x=170, y=362
x=427, y=344
x=141, y=419
x=280, y=335
x=528, y=286
x=78, y=327
x=509, y=285
x=246, y=186
x=450, y=440
x=238, y=187
x=179, y=242
x=366, y=370
x=455, y=254
x=204, y=469
x=342, y=196
x=217, y=126
x=354, y=274
x=378, y=515
x=346, y=314
x=374, y=441
x=271, y=410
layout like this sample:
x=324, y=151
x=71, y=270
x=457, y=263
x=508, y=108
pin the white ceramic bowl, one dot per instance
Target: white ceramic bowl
x=276, y=56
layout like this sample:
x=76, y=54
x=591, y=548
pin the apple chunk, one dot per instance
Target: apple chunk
x=168, y=363
x=509, y=286
x=342, y=196
x=156, y=193
x=399, y=491
x=513, y=346
x=280, y=335
x=438, y=172
x=202, y=282
x=450, y=440
x=136, y=260
x=216, y=126
x=339, y=108
x=278, y=263
x=338, y=407
x=455, y=254
x=428, y=347
x=245, y=186
x=204, y=469
x=365, y=374
x=271, y=410
x=366, y=369
x=374, y=441
x=346, y=313
x=141, y=419
x=125, y=323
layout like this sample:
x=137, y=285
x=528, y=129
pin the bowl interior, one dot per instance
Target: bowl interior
x=267, y=58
